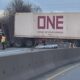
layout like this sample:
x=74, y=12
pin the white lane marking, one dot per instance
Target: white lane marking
x=62, y=72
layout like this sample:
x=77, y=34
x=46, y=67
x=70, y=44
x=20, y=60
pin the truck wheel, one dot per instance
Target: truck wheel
x=18, y=44
x=29, y=43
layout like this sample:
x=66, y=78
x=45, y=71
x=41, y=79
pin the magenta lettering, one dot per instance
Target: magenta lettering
x=41, y=25
x=45, y=22
x=51, y=22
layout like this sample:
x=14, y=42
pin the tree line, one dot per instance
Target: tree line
x=7, y=23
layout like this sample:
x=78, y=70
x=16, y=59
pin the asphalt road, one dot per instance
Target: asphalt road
x=70, y=72
x=16, y=51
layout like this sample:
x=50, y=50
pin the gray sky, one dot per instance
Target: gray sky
x=50, y=5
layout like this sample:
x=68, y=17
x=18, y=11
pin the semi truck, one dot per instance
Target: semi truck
x=32, y=28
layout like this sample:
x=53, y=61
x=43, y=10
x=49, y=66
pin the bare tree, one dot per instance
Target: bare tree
x=13, y=7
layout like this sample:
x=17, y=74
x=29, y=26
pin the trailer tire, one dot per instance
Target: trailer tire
x=29, y=43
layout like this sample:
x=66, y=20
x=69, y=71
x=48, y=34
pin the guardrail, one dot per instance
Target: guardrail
x=28, y=65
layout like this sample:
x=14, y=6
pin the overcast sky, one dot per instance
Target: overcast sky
x=50, y=5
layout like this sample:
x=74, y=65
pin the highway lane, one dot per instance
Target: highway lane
x=17, y=51
x=69, y=72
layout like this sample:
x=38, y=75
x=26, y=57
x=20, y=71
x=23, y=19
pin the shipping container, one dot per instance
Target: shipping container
x=60, y=25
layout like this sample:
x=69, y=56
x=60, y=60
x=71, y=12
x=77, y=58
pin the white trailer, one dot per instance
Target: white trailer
x=48, y=25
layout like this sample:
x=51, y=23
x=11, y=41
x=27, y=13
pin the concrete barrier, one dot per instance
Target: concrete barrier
x=26, y=66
